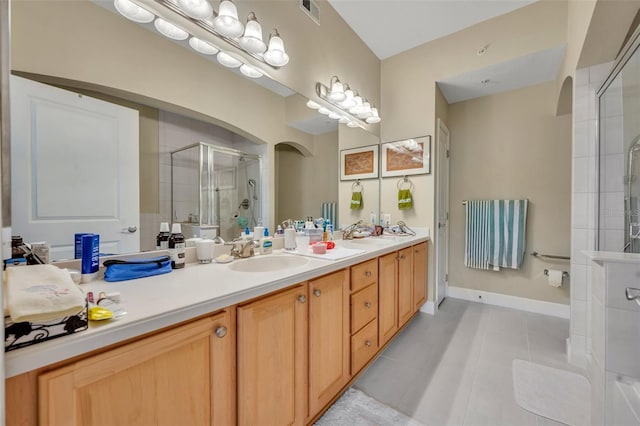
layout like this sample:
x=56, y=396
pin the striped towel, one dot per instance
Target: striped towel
x=329, y=212
x=495, y=234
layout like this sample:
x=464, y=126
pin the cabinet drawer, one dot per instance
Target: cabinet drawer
x=364, y=274
x=364, y=307
x=364, y=345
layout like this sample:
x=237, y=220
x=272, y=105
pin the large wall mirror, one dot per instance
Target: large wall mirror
x=216, y=115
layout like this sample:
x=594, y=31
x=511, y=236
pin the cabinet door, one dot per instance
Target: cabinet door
x=405, y=285
x=329, y=338
x=181, y=376
x=419, y=275
x=271, y=359
x=387, y=297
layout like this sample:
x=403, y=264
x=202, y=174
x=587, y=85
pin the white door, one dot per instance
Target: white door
x=442, y=201
x=74, y=168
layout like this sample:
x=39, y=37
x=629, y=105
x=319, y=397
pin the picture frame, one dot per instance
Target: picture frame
x=359, y=163
x=406, y=157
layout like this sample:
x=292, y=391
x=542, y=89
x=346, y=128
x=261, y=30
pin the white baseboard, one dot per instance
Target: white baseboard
x=428, y=308
x=529, y=305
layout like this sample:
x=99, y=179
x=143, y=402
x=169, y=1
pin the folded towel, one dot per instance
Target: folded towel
x=41, y=293
x=405, y=201
x=356, y=200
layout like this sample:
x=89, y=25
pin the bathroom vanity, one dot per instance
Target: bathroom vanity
x=225, y=343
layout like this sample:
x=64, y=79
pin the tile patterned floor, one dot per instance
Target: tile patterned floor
x=455, y=368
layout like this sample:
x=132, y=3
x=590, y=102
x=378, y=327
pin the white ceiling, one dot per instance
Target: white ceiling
x=389, y=27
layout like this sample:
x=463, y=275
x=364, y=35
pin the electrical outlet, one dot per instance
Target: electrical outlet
x=387, y=219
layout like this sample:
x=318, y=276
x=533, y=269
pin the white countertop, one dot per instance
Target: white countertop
x=612, y=256
x=161, y=301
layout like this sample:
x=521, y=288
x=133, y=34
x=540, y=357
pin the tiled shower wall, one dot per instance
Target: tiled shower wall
x=584, y=217
x=177, y=131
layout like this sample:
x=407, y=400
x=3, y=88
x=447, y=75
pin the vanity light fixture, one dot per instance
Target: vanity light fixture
x=227, y=60
x=223, y=30
x=227, y=22
x=202, y=46
x=133, y=12
x=251, y=41
x=170, y=30
x=344, y=104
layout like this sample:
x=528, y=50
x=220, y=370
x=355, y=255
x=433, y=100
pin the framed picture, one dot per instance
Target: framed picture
x=359, y=163
x=407, y=157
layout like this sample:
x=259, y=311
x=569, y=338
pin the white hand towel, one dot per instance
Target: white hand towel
x=40, y=293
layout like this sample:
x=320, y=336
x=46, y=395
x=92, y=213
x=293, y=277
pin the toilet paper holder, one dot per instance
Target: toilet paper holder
x=565, y=274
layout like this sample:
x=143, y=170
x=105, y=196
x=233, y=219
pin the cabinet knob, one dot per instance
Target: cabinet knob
x=302, y=298
x=316, y=292
x=367, y=343
x=221, y=331
x=367, y=273
x=367, y=305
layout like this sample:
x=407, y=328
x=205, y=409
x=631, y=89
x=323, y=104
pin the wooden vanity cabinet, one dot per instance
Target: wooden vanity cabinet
x=272, y=359
x=328, y=338
x=420, y=261
x=387, y=297
x=405, y=285
x=181, y=376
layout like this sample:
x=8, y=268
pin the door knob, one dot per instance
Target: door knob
x=316, y=292
x=302, y=298
x=367, y=305
x=367, y=343
x=130, y=229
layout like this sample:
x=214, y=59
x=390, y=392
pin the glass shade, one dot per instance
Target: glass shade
x=169, y=30
x=352, y=124
x=133, y=12
x=334, y=115
x=374, y=118
x=197, y=9
x=228, y=60
x=202, y=46
x=250, y=71
x=336, y=93
x=349, y=101
x=313, y=105
x=227, y=23
x=358, y=107
x=275, y=54
x=251, y=41
x=324, y=111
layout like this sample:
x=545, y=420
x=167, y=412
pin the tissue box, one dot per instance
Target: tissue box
x=21, y=334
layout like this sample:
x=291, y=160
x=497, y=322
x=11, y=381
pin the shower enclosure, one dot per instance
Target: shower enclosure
x=619, y=155
x=215, y=191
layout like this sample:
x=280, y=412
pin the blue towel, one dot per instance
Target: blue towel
x=495, y=234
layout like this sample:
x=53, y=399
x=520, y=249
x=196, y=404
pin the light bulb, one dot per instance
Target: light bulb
x=313, y=105
x=374, y=118
x=336, y=93
x=324, y=111
x=228, y=60
x=275, y=54
x=169, y=30
x=334, y=115
x=349, y=101
x=197, y=9
x=133, y=12
x=202, y=46
x=227, y=23
x=251, y=41
x=250, y=71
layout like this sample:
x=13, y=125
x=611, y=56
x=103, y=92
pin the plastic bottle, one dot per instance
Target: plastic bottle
x=162, y=240
x=279, y=230
x=177, y=247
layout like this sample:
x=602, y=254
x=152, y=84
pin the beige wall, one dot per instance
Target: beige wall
x=513, y=146
x=304, y=183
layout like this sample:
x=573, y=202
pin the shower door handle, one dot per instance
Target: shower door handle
x=632, y=293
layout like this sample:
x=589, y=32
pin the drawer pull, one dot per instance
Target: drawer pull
x=316, y=292
x=367, y=343
x=221, y=331
x=401, y=257
x=367, y=273
x=367, y=305
x=302, y=298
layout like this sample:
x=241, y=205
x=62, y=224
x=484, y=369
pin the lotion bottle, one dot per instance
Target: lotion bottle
x=177, y=247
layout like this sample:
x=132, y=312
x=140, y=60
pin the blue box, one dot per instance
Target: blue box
x=78, y=245
x=90, y=253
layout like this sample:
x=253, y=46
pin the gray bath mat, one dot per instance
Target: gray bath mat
x=355, y=408
x=556, y=394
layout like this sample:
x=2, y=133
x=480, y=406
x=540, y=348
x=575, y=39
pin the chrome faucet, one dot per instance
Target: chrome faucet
x=219, y=240
x=347, y=233
x=242, y=249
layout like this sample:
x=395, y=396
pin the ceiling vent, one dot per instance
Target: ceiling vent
x=311, y=8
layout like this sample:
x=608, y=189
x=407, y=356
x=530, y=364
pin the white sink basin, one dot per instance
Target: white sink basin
x=269, y=263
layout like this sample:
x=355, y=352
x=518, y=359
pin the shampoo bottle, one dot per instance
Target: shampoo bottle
x=177, y=247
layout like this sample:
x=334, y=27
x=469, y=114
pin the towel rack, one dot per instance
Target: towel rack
x=356, y=184
x=550, y=256
x=404, y=180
